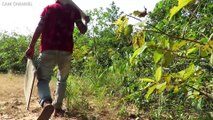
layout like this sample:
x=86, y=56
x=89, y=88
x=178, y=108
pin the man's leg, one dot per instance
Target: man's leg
x=64, y=59
x=45, y=67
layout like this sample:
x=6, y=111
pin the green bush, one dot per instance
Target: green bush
x=12, y=52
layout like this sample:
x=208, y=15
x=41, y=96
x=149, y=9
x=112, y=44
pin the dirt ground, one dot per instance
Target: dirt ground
x=12, y=100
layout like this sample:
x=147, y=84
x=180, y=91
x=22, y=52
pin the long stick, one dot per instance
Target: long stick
x=70, y=2
x=82, y=13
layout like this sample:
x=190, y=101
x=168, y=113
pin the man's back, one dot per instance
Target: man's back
x=58, y=27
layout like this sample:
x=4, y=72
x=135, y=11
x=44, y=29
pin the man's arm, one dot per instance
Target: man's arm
x=81, y=26
x=30, y=51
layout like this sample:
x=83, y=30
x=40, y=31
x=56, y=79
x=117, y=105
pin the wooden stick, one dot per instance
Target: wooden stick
x=70, y=2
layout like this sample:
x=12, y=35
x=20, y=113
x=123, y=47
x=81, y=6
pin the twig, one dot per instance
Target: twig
x=134, y=17
x=202, y=92
x=170, y=36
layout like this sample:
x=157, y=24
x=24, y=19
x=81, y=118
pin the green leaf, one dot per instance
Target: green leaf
x=178, y=45
x=167, y=59
x=137, y=52
x=185, y=74
x=136, y=13
x=128, y=30
x=158, y=74
x=150, y=91
x=176, y=89
x=157, y=56
x=211, y=58
x=181, y=4
x=192, y=50
x=147, y=80
x=189, y=71
x=161, y=87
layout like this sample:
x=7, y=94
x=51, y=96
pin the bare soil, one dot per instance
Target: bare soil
x=12, y=100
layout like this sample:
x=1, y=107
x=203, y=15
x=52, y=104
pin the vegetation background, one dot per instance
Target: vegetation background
x=159, y=68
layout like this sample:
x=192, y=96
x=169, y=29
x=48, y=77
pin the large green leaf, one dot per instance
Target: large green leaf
x=161, y=87
x=181, y=4
x=176, y=46
x=147, y=80
x=128, y=30
x=137, y=52
x=150, y=91
x=167, y=59
x=185, y=74
x=192, y=50
x=157, y=56
x=158, y=74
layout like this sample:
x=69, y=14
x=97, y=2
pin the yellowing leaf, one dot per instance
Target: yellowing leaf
x=185, y=74
x=157, y=56
x=176, y=89
x=138, y=40
x=178, y=45
x=181, y=4
x=147, y=80
x=161, y=87
x=196, y=93
x=189, y=71
x=150, y=91
x=158, y=74
x=167, y=78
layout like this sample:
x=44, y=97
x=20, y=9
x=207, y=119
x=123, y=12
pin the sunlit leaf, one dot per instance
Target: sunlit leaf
x=192, y=50
x=157, y=56
x=167, y=78
x=120, y=20
x=176, y=46
x=186, y=73
x=181, y=4
x=205, y=51
x=138, y=40
x=211, y=58
x=196, y=93
x=147, y=80
x=161, y=87
x=150, y=91
x=158, y=74
x=176, y=89
x=137, y=52
x=189, y=71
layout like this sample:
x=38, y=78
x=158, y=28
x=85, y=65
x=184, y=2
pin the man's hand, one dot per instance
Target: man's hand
x=30, y=52
x=87, y=19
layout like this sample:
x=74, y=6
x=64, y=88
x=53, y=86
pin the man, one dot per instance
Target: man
x=56, y=29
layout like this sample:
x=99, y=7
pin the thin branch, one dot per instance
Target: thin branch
x=173, y=52
x=201, y=92
x=171, y=36
x=134, y=17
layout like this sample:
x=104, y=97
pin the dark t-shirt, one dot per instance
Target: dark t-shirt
x=58, y=28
